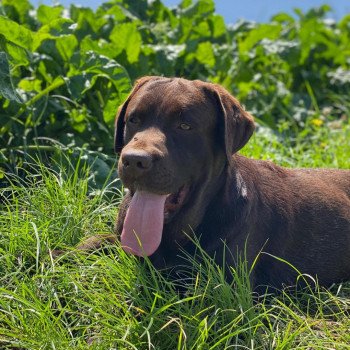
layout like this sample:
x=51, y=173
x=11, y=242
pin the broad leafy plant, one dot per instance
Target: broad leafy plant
x=65, y=71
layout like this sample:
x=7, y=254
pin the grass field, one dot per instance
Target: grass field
x=111, y=301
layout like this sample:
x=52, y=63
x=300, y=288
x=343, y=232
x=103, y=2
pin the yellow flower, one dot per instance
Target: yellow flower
x=317, y=122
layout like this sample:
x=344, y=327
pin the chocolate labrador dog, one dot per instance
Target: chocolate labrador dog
x=178, y=143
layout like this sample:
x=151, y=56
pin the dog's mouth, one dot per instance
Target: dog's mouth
x=174, y=203
x=145, y=217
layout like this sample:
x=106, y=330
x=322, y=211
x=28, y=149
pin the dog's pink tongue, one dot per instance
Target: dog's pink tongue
x=143, y=224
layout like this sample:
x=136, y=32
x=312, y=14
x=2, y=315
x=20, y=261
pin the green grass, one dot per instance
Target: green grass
x=111, y=301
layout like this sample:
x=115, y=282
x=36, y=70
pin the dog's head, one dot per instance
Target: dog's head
x=175, y=138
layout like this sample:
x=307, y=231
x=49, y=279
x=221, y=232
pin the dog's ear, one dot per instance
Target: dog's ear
x=120, y=118
x=236, y=124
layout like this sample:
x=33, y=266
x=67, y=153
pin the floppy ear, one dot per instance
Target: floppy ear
x=237, y=125
x=120, y=118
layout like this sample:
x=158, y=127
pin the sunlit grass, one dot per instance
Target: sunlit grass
x=315, y=146
x=104, y=301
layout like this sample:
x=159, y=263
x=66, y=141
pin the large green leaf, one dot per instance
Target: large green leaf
x=263, y=31
x=17, y=9
x=16, y=33
x=20, y=35
x=66, y=46
x=46, y=14
x=126, y=37
x=218, y=26
x=6, y=87
x=16, y=53
x=88, y=69
x=87, y=21
x=205, y=54
x=200, y=8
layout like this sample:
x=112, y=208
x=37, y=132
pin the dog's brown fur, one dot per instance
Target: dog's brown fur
x=300, y=215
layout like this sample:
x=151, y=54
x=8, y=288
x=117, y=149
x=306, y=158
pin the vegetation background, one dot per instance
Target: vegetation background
x=63, y=73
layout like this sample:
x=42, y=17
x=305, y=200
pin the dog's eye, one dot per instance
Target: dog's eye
x=185, y=126
x=134, y=120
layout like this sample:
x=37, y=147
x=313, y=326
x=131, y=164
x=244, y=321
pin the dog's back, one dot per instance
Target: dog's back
x=331, y=178
x=302, y=216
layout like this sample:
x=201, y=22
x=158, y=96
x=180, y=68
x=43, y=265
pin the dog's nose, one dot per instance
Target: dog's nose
x=136, y=161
